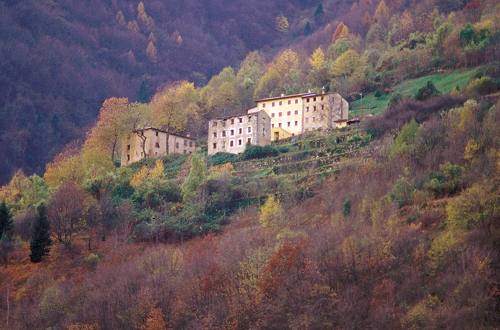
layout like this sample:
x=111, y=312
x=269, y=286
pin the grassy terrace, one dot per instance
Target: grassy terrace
x=445, y=82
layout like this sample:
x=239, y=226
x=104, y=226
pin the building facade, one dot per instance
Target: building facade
x=298, y=113
x=232, y=134
x=152, y=142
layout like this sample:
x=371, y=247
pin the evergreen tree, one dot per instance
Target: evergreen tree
x=145, y=93
x=40, y=238
x=307, y=29
x=318, y=13
x=5, y=219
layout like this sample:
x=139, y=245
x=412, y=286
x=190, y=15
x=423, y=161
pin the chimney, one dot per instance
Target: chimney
x=282, y=95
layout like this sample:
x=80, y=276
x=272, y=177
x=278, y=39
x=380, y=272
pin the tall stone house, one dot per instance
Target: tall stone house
x=299, y=113
x=232, y=134
x=153, y=142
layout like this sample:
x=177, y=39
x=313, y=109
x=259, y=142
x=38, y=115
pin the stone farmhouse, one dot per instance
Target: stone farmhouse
x=152, y=142
x=232, y=134
x=299, y=113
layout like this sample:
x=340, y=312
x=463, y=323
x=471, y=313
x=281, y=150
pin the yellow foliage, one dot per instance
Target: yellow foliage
x=382, y=12
x=270, y=212
x=139, y=177
x=12, y=192
x=282, y=24
x=155, y=320
x=152, y=52
x=158, y=172
x=471, y=149
x=346, y=64
x=64, y=168
x=317, y=59
x=221, y=170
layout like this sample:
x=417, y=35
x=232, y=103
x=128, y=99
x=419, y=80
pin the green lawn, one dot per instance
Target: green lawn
x=444, y=82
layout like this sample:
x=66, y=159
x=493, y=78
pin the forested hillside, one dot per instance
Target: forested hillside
x=390, y=223
x=61, y=59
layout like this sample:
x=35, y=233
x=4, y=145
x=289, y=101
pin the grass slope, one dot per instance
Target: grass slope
x=445, y=82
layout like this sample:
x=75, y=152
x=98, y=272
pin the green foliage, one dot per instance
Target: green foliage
x=91, y=260
x=406, y=140
x=255, y=152
x=196, y=177
x=473, y=208
x=448, y=180
x=6, y=222
x=222, y=158
x=429, y=90
x=402, y=192
x=346, y=208
x=40, y=237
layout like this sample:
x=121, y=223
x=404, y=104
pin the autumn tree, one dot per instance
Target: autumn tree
x=40, y=237
x=271, y=212
x=66, y=211
x=341, y=31
x=251, y=69
x=319, y=70
x=67, y=166
x=196, y=177
x=282, y=24
x=221, y=93
x=382, y=13
x=173, y=106
x=155, y=320
x=282, y=75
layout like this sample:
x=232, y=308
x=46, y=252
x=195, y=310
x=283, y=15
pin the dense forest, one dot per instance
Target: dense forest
x=392, y=223
x=61, y=59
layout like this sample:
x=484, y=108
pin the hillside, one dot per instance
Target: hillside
x=61, y=59
x=366, y=231
x=391, y=222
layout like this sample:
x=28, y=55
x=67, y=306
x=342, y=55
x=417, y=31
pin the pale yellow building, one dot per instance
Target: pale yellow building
x=298, y=113
x=152, y=142
x=233, y=134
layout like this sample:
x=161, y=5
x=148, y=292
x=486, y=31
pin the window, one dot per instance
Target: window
x=249, y=118
x=263, y=105
x=232, y=121
x=249, y=141
x=307, y=120
x=272, y=125
x=307, y=109
x=289, y=101
x=232, y=132
x=157, y=145
x=280, y=125
x=296, y=101
x=240, y=130
x=272, y=104
x=185, y=143
x=249, y=129
x=280, y=114
x=215, y=145
x=128, y=158
x=307, y=100
x=296, y=123
x=314, y=119
x=322, y=107
x=281, y=103
x=288, y=124
x=223, y=133
x=314, y=108
x=156, y=133
x=190, y=143
x=272, y=115
x=241, y=119
x=215, y=134
x=214, y=124
x=176, y=145
x=288, y=113
x=184, y=151
x=296, y=112
x=322, y=98
x=239, y=142
x=314, y=99
x=231, y=143
x=128, y=147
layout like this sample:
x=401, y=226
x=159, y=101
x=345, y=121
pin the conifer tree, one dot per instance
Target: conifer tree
x=318, y=13
x=40, y=237
x=5, y=219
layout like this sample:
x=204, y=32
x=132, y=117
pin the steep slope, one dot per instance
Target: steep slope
x=60, y=60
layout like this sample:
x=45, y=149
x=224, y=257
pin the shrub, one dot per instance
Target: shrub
x=92, y=260
x=378, y=93
x=222, y=158
x=402, y=192
x=448, y=180
x=429, y=90
x=483, y=85
x=255, y=152
x=346, y=207
x=405, y=142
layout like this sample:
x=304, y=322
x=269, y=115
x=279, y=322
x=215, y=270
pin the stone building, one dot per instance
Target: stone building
x=298, y=113
x=232, y=134
x=152, y=142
